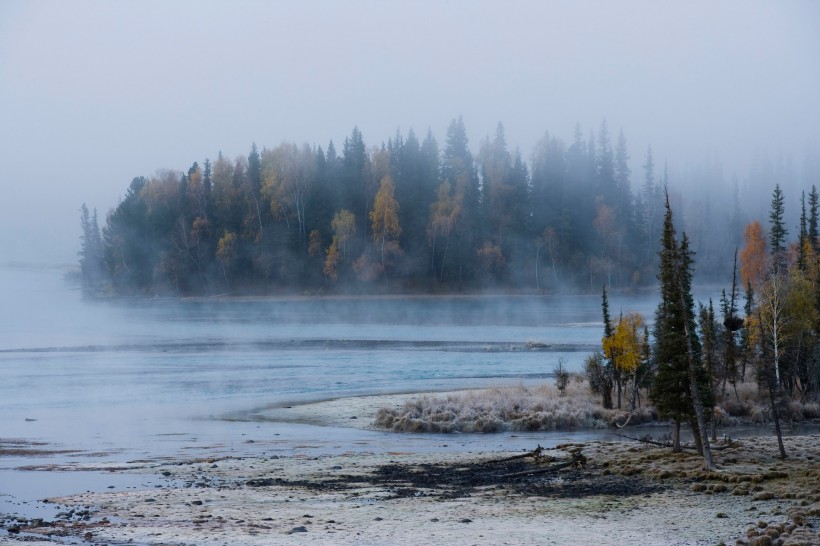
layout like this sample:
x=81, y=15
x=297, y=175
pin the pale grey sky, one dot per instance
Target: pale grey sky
x=93, y=93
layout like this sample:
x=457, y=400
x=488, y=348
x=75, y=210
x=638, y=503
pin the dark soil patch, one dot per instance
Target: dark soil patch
x=523, y=476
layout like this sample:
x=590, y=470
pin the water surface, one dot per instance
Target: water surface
x=118, y=381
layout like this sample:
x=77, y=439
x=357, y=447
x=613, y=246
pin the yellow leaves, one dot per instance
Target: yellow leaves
x=490, y=257
x=624, y=346
x=332, y=261
x=225, y=247
x=753, y=256
x=800, y=302
x=344, y=228
x=445, y=212
x=385, y=213
x=344, y=225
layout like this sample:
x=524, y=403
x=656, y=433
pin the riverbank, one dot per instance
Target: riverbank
x=594, y=492
x=620, y=492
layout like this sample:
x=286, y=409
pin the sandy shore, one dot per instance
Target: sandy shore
x=591, y=493
x=354, y=412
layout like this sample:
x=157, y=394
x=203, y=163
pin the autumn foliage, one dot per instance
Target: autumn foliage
x=753, y=257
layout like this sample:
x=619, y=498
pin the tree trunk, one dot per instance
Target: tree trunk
x=697, y=436
x=777, y=422
x=676, y=436
x=694, y=390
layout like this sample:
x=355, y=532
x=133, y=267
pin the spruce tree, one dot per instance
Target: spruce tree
x=680, y=389
x=814, y=203
x=600, y=370
x=804, y=234
x=778, y=231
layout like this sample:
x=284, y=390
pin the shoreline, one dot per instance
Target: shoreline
x=623, y=493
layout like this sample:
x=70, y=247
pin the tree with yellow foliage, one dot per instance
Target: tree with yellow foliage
x=627, y=349
x=385, y=220
x=754, y=256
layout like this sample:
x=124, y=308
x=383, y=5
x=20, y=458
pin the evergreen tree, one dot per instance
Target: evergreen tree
x=355, y=174
x=814, y=203
x=602, y=376
x=804, y=234
x=777, y=231
x=253, y=176
x=680, y=389
x=731, y=323
x=458, y=169
x=91, y=252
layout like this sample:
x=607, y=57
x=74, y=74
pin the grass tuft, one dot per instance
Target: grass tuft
x=506, y=409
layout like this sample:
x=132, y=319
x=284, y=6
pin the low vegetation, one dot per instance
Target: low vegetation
x=544, y=408
x=507, y=409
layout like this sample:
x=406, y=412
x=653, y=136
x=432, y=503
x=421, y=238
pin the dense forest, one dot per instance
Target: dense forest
x=405, y=216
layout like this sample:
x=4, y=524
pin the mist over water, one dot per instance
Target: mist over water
x=135, y=380
x=113, y=364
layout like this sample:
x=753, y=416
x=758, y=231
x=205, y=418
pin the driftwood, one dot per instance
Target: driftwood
x=577, y=460
x=535, y=454
x=666, y=444
x=628, y=419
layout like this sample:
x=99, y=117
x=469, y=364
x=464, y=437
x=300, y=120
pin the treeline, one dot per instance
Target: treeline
x=696, y=357
x=403, y=216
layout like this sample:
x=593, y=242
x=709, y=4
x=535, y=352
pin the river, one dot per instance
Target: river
x=117, y=381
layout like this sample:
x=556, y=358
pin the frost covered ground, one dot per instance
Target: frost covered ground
x=581, y=493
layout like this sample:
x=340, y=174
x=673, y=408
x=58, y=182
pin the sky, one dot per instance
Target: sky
x=94, y=93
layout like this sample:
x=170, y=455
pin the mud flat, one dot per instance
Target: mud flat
x=588, y=493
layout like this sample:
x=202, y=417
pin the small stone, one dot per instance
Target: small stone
x=300, y=529
x=722, y=515
x=378, y=519
x=466, y=520
x=197, y=502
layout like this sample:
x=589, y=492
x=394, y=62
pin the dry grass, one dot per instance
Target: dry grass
x=544, y=408
x=749, y=470
x=512, y=408
x=752, y=406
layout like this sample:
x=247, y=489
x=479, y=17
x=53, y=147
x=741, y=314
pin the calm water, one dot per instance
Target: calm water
x=134, y=380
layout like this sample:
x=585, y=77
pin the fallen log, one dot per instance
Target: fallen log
x=667, y=444
x=535, y=454
x=577, y=460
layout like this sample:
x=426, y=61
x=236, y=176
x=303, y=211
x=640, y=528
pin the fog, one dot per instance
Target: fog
x=95, y=93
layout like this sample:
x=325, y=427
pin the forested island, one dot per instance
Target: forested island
x=403, y=217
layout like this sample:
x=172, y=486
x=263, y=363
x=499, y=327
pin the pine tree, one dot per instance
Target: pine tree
x=602, y=376
x=254, y=180
x=814, y=203
x=680, y=389
x=778, y=231
x=804, y=234
x=91, y=252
